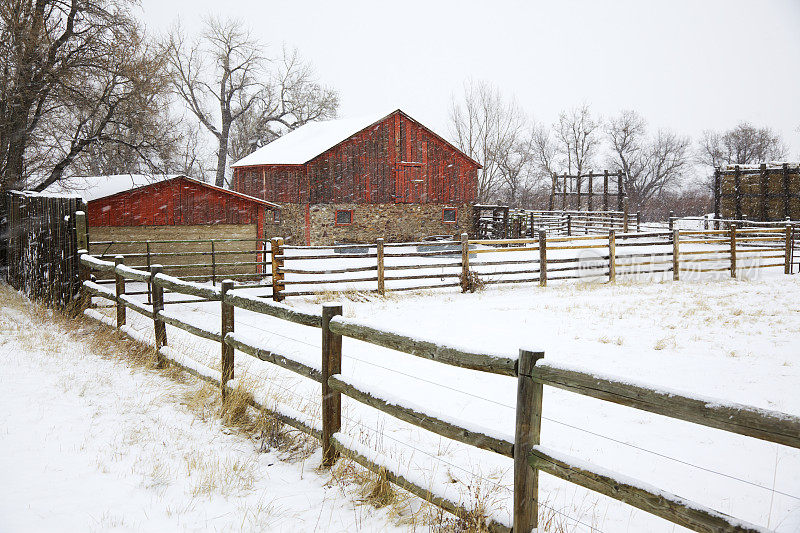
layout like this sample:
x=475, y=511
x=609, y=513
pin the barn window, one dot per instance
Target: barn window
x=276, y=216
x=449, y=215
x=344, y=217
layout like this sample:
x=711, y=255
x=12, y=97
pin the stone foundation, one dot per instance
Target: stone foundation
x=392, y=222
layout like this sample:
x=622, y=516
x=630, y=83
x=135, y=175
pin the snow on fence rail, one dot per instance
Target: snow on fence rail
x=529, y=368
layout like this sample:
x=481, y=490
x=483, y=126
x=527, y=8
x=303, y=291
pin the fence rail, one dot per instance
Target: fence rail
x=530, y=370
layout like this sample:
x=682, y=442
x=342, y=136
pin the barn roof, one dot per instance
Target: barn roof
x=92, y=188
x=314, y=138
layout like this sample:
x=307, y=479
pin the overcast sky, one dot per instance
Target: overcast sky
x=686, y=65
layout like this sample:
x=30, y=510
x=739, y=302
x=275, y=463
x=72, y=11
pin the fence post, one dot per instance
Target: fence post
x=148, y=263
x=527, y=435
x=787, y=260
x=676, y=260
x=464, y=262
x=569, y=225
x=542, y=258
x=277, y=275
x=331, y=401
x=119, y=285
x=379, y=249
x=612, y=256
x=733, y=250
x=213, y=264
x=670, y=221
x=158, y=305
x=638, y=221
x=226, y=327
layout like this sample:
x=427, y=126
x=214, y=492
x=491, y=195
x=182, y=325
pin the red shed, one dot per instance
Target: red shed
x=353, y=180
x=140, y=208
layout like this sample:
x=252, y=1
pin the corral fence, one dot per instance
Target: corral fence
x=245, y=260
x=529, y=370
x=502, y=222
x=40, y=246
x=470, y=263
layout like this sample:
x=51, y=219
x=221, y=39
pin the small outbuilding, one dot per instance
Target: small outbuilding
x=126, y=211
x=355, y=180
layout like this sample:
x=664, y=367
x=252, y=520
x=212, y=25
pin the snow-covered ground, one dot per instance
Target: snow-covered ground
x=90, y=443
x=733, y=340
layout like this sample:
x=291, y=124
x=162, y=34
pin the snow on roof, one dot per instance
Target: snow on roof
x=308, y=141
x=94, y=187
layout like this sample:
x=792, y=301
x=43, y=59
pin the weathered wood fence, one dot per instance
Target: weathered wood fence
x=500, y=222
x=528, y=369
x=41, y=247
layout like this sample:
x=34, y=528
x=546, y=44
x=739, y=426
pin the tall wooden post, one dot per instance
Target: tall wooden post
x=226, y=327
x=717, y=195
x=551, y=204
x=527, y=435
x=277, y=266
x=787, y=213
x=612, y=256
x=564, y=194
x=542, y=259
x=787, y=267
x=464, y=262
x=733, y=250
x=569, y=225
x=764, y=178
x=590, y=192
x=638, y=221
x=605, y=190
x=379, y=250
x=331, y=401
x=119, y=286
x=624, y=214
x=620, y=191
x=578, y=185
x=671, y=220
x=159, y=327
x=737, y=191
x=148, y=263
x=676, y=259
x=83, y=248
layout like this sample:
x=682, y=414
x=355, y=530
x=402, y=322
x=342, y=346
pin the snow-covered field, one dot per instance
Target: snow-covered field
x=90, y=443
x=733, y=340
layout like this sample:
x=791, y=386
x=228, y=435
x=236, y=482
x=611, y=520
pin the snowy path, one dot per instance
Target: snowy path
x=89, y=443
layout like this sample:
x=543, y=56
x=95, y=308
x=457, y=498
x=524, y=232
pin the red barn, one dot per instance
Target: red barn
x=354, y=180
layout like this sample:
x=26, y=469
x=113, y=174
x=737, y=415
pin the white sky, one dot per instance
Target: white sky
x=684, y=65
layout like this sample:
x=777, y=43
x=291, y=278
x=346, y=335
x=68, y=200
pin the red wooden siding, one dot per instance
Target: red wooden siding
x=178, y=202
x=396, y=160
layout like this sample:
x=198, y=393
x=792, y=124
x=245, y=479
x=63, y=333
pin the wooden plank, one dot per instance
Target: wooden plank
x=139, y=307
x=464, y=262
x=676, y=256
x=417, y=417
x=425, y=349
x=638, y=494
x=178, y=285
x=762, y=424
x=273, y=357
x=542, y=258
x=266, y=307
x=612, y=252
x=381, y=286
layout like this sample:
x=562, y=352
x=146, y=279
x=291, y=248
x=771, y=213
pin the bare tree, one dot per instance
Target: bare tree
x=73, y=74
x=292, y=97
x=487, y=127
x=576, y=139
x=251, y=102
x=652, y=166
x=743, y=145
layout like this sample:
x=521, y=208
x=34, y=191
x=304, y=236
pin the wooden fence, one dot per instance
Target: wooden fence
x=528, y=369
x=500, y=222
x=41, y=246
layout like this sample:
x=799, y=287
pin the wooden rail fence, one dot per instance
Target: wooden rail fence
x=529, y=369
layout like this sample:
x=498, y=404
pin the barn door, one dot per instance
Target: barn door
x=410, y=183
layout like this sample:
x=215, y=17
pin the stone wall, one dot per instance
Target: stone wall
x=393, y=222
